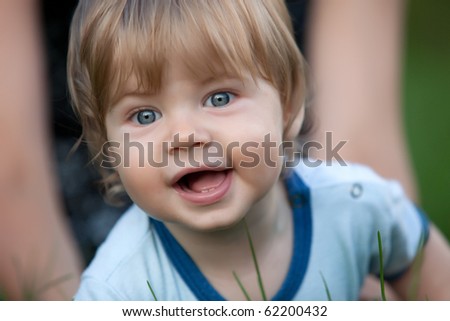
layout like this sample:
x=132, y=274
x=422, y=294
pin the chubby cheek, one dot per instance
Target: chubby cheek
x=262, y=155
x=259, y=165
x=143, y=185
x=136, y=150
x=257, y=144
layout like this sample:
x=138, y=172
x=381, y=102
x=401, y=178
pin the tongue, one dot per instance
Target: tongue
x=203, y=181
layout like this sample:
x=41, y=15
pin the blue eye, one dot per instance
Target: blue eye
x=146, y=116
x=219, y=99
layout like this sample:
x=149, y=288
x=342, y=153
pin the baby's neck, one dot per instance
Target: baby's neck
x=220, y=253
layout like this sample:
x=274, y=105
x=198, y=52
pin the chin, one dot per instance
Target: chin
x=212, y=224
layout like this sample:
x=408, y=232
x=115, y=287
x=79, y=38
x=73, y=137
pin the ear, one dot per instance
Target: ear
x=294, y=114
x=293, y=123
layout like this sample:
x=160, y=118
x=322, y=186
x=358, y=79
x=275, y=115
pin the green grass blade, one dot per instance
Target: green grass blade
x=380, y=252
x=151, y=290
x=326, y=287
x=241, y=286
x=255, y=262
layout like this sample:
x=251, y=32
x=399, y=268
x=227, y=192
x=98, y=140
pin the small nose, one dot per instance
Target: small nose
x=189, y=132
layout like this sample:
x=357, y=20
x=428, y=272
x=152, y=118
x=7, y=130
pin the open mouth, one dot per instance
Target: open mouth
x=204, y=187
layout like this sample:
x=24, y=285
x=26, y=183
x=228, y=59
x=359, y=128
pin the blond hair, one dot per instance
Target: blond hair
x=111, y=40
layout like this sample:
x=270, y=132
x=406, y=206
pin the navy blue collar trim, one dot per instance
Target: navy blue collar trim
x=299, y=196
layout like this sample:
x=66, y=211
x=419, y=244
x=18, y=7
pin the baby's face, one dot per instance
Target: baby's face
x=200, y=152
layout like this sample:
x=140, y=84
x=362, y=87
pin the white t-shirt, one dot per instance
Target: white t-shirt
x=337, y=213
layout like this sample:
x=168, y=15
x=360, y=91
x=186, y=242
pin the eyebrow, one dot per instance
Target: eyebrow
x=213, y=79
x=130, y=93
x=120, y=98
x=135, y=93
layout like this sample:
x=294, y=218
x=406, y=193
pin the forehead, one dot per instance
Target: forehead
x=177, y=76
x=210, y=39
x=140, y=83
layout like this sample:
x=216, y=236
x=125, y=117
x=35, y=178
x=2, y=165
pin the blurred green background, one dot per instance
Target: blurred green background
x=427, y=104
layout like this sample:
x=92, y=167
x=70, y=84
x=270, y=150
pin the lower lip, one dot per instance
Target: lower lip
x=210, y=197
